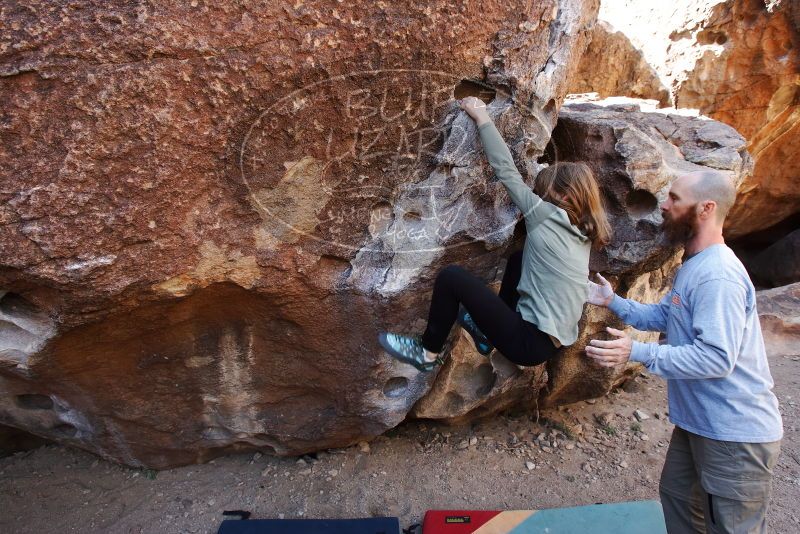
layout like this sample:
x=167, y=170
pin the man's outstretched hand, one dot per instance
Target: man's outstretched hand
x=475, y=108
x=612, y=352
x=600, y=294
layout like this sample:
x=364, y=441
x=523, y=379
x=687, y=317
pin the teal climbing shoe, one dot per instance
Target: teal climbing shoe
x=407, y=349
x=482, y=343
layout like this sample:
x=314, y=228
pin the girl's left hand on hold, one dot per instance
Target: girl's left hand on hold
x=600, y=294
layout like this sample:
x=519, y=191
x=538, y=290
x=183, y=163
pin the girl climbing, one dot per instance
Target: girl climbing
x=544, y=286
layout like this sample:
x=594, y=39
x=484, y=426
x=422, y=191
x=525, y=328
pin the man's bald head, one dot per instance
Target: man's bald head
x=711, y=185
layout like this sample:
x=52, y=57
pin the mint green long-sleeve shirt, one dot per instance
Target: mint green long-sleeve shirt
x=555, y=259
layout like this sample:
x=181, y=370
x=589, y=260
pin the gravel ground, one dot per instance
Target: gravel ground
x=597, y=451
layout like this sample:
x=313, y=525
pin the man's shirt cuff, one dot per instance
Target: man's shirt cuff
x=640, y=352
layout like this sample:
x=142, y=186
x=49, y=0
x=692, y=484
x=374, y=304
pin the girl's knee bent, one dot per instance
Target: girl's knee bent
x=451, y=271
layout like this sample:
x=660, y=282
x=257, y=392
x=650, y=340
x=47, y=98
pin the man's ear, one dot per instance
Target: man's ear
x=708, y=209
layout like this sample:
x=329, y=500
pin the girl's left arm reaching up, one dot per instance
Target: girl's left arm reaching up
x=499, y=156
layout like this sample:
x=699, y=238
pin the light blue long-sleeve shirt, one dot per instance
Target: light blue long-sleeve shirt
x=718, y=379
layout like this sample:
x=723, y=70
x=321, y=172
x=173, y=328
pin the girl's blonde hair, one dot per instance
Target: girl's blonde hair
x=572, y=187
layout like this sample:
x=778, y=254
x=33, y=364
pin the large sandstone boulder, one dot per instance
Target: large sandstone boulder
x=779, y=311
x=737, y=61
x=778, y=264
x=208, y=213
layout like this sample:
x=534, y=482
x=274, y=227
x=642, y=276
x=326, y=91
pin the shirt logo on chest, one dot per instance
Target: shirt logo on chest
x=676, y=299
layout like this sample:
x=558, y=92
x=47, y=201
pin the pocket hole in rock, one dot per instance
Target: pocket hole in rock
x=550, y=108
x=485, y=379
x=24, y=328
x=640, y=202
x=475, y=88
x=412, y=216
x=710, y=37
x=33, y=401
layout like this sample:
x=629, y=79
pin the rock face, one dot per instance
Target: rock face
x=636, y=152
x=737, y=61
x=471, y=385
x=208, y=213
x=779, y=264
x=779, y=311
x=612, y=66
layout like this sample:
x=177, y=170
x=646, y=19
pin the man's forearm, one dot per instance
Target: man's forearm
x=698, y=360
x=648, y=317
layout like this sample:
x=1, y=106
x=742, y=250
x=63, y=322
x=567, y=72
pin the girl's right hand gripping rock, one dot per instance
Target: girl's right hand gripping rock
x=475, y=108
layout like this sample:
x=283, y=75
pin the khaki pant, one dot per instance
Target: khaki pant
x=711, y=486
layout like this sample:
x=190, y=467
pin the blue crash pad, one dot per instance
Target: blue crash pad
x=372, y=525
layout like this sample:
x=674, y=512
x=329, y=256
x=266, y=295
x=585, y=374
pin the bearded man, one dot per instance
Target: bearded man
x=717, y=474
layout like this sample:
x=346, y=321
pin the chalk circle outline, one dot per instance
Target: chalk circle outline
x=307, y=88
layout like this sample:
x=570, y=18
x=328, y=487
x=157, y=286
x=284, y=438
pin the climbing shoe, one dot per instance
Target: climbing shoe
x=407, y=349
x=482, y=343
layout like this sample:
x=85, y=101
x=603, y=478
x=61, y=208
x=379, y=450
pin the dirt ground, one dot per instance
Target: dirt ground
x=588, y=453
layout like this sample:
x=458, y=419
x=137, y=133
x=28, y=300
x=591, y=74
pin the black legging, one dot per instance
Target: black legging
x=517, y=339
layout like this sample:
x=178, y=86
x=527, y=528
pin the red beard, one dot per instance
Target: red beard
x=679, y=230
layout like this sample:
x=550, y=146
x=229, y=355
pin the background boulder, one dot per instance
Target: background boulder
x=736, y=61
x=613, y=66
x=779, y=311
x=778, y=264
